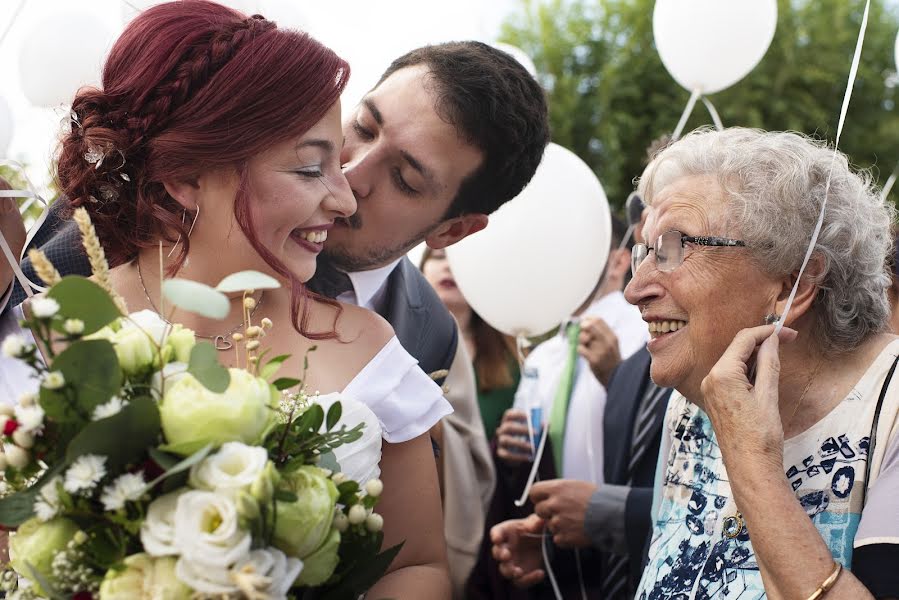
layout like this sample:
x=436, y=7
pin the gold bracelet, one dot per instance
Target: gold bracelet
x=828, y=583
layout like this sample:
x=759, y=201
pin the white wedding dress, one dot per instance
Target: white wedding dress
x=395, y=399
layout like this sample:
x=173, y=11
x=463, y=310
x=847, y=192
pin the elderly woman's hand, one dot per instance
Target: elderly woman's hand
x=746, y=416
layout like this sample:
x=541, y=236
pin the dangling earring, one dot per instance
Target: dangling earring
x=771, y=318
x=189, y=231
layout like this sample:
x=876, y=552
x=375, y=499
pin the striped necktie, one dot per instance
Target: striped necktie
x=614, y=581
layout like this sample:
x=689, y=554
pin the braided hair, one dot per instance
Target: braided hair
x=190, y=87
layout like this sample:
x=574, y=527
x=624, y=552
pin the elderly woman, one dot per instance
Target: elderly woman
x=782, y=458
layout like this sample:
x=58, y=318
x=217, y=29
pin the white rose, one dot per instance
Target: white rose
x=14, y=345
x=149, y=322
x=266, y=570
x=43, y=307
x=207, y=529
x=169, y=375
x=234, y=467
x=157, y=532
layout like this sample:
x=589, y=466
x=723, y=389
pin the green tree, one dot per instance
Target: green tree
x=610, y=96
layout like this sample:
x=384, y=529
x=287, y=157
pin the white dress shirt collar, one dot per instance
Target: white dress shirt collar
x=369, y=287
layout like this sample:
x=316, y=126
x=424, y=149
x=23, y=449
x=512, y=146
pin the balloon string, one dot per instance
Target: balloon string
x=888, y=186
x=691, y=103
x=533, y=474
x=853, y=71
x=522, y=344
x=627, y=237
x=716, y=119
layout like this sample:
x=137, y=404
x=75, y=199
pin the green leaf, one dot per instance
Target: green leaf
x=348, y=487
x=205, y=366
x=92, y=374
x=196, y=297
x=334, y=414
x=81, y=298
x=122, y=438
x=106, y=544
x=19, y=507
x=183, y=465
x=285, y=496
x=284, y=383
x=362, y=576
x=247, y=280
x=164, y=459
x=328, y=460
x=272, y=366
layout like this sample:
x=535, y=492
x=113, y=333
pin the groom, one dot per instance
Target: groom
x=449, y=134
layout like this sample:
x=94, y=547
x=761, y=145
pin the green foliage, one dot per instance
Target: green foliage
x=300, y=442
x=92, y=375
x=205, y=367
x=81, y=298
x=610, y=95
x=19, y=507
x=122, y=438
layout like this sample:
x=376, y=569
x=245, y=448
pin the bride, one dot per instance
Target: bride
x=218, y=137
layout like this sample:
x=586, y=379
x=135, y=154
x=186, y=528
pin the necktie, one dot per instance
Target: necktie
x=559, y=412
x=329, y=281
x=614, y=581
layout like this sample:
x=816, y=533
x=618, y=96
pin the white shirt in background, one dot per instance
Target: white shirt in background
x=582, y=455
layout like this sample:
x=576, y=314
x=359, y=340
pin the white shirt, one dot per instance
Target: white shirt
x=582, y=453
x=369, y=287
x=16, y=378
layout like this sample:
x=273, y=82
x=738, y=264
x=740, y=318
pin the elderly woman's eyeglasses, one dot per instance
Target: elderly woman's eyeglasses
x=669, y=249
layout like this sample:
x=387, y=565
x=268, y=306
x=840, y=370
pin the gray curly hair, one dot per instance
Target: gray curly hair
x=775, y=183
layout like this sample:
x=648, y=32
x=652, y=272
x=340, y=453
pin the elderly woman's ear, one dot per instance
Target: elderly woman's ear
x=805, y=293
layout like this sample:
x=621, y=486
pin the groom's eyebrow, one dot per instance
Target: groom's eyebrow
x=411, y=160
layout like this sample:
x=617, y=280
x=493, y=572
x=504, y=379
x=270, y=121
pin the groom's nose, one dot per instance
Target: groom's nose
x=359, y=172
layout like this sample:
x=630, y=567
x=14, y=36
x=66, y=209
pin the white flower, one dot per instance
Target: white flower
x=85, y=473
x=374, y=487
x=374, y=522
x=157, y=532
x=43, y=307
x=30, y=418
x=263, y=573
x=73, y=326
x=16, y=457
x=234, y=467
x=207, y=529
x=14, y=345
x=128, y=487
x=113, y=407
x=168, y=376
x=47, y=505
x=357, y=514
x=53, y=380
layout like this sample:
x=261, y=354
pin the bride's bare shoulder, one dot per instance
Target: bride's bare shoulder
x=369, y=330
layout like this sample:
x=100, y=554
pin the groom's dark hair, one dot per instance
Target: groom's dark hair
x=496, y=106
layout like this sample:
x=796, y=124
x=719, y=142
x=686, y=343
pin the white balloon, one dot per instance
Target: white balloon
x=543, y=251
x=709, y=45
x=6, y=127
x=61, y=54
x=896, y=51
x=519, y=55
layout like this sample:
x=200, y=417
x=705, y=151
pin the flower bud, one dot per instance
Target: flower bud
x=374, y=488
x=338, y=478
x=341, y=522
x=73, y=326
x=266, y=323
x=53, y=380
x=23, y=438
x=80, y=537
x=253, y=345
x=13, y=346
x=247, y=507
x=43, y=307
x=357, y=514
x=249, y=303
x=263, y=488
x=254, y=331
x=374, y=522
x=16, y=456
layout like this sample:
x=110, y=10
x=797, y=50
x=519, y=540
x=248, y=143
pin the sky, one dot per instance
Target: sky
x=367, y=33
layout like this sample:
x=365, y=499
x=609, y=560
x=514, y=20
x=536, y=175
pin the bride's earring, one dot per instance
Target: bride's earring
x=771, y=318
x=189, y=231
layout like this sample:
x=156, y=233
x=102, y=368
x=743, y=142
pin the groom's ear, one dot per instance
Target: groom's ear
x=452, y=230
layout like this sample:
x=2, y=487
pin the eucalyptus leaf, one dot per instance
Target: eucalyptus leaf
x=92, y=375
x=197, y=298
x=122, y=438
x=205, y=367
x=284, y=383
x=182, y=466
x=48, y=589
x=328, y=460
x=334, y=414
x=272, y=366
x=81, y=298
x=247, y=280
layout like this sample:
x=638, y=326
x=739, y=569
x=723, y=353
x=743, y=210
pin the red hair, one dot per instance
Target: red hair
x=189, y=87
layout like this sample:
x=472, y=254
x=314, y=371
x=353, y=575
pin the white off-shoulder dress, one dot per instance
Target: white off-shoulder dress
x=395, y=399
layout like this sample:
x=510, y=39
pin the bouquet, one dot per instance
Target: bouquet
x=143, y=468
